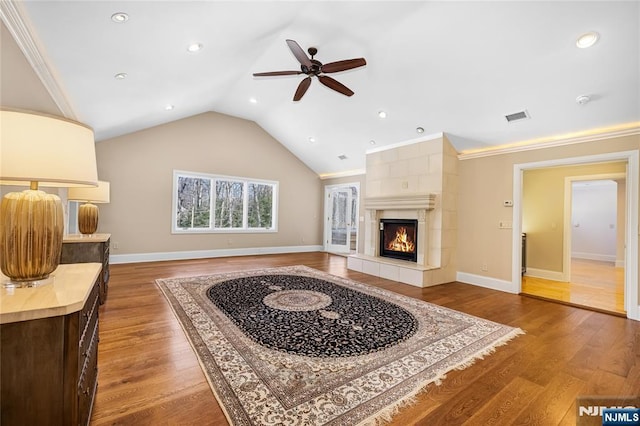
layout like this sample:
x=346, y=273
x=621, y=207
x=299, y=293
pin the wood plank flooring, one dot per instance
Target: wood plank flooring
x=149, y=375
x=594, y=284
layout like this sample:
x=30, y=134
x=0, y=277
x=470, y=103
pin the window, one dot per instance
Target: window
x=212, y=203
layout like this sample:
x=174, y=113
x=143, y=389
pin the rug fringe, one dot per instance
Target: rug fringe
x=387, y=414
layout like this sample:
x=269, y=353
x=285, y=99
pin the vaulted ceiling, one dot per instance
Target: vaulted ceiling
x=447, y=66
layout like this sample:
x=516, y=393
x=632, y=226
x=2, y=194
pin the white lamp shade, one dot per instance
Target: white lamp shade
x=45, y=149
x=96, y=194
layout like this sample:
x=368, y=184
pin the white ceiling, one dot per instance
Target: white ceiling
x=448, y=66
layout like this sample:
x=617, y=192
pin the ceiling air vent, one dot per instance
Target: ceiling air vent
x=517, y=116
x=342, y=157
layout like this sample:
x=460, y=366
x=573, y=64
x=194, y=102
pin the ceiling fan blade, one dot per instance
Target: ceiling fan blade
x=343, y=65
x=274, y=73
x=302, y=89
x=299, y=53
x=335, y=85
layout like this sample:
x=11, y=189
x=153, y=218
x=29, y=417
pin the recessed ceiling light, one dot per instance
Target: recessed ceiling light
x=169, y=107
x=120, y=17
x=372, y=142
x=253, y=100
x=312, y=139
x=582, y=99
x=120, y=76
x=587, y=39
x=194, y=47
x=382, y=114
x=419, y=129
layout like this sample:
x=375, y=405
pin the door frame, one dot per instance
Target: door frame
x=631, y=233
x=327, y=212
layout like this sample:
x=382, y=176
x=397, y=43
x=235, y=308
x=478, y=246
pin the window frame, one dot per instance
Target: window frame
x=177, y=174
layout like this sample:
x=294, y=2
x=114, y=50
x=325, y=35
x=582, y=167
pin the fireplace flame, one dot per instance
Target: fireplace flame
x=401, y=242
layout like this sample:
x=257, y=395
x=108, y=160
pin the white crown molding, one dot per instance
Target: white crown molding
x=15, y=20
x=550, y=144
x=356, y=172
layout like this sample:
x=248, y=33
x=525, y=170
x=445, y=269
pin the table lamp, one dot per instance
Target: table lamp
x=38, y=150
x=88, y=212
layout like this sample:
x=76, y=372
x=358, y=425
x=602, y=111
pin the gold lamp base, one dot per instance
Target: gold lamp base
x=88, y=218
x=31, y=231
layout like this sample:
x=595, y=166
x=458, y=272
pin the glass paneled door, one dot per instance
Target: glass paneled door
x=341, y=227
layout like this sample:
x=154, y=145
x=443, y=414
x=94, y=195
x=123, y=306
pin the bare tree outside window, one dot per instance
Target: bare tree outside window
x=259, y=209
x=229, y=204
x=211, y=203
x=194, y=201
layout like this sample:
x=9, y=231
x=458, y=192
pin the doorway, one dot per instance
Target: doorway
x=341, y=214
x=629, y=273
x=575, y=261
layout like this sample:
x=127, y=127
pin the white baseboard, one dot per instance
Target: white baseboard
x=594, y=256
x=544, y=273
x=201, y=254
x=487, y=282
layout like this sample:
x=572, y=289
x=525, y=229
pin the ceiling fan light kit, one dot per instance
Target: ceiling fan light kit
x=314, y=68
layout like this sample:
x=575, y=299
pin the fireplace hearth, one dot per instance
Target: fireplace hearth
x=399, y=239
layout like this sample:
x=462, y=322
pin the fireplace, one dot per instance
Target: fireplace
x=399, y=239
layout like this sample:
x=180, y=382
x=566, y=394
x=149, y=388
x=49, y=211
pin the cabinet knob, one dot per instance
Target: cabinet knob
x=86, y=392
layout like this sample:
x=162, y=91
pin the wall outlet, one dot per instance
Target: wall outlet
x=484, y=267
x=115, y=245
x=505, y=224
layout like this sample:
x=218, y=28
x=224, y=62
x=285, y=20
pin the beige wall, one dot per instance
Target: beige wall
x=20, y=87
x=140, y=168
x=484, y=183
x=543, y=210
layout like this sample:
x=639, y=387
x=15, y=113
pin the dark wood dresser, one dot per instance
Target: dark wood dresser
x=79, y=248
x=49, y=348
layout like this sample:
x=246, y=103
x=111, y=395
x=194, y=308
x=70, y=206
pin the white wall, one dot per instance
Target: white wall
x=594, y=220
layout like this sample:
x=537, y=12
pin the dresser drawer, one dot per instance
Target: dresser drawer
x=88, y=382
x=89, y=310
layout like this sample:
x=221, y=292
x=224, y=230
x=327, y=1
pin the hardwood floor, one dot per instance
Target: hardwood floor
x=149, y=375
x=594, y=284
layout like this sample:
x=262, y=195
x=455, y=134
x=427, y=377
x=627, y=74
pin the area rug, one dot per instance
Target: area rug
x=296, y=346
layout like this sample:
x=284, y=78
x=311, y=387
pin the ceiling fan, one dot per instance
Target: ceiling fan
x=313, y=67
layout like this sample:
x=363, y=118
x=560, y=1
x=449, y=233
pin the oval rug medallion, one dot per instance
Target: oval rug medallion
x=297, y=300
x=311, y=317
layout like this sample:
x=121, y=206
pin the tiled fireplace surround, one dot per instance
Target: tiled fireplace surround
x=412, y=181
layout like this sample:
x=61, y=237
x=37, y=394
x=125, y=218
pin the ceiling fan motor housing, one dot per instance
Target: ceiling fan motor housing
x=312, y=67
